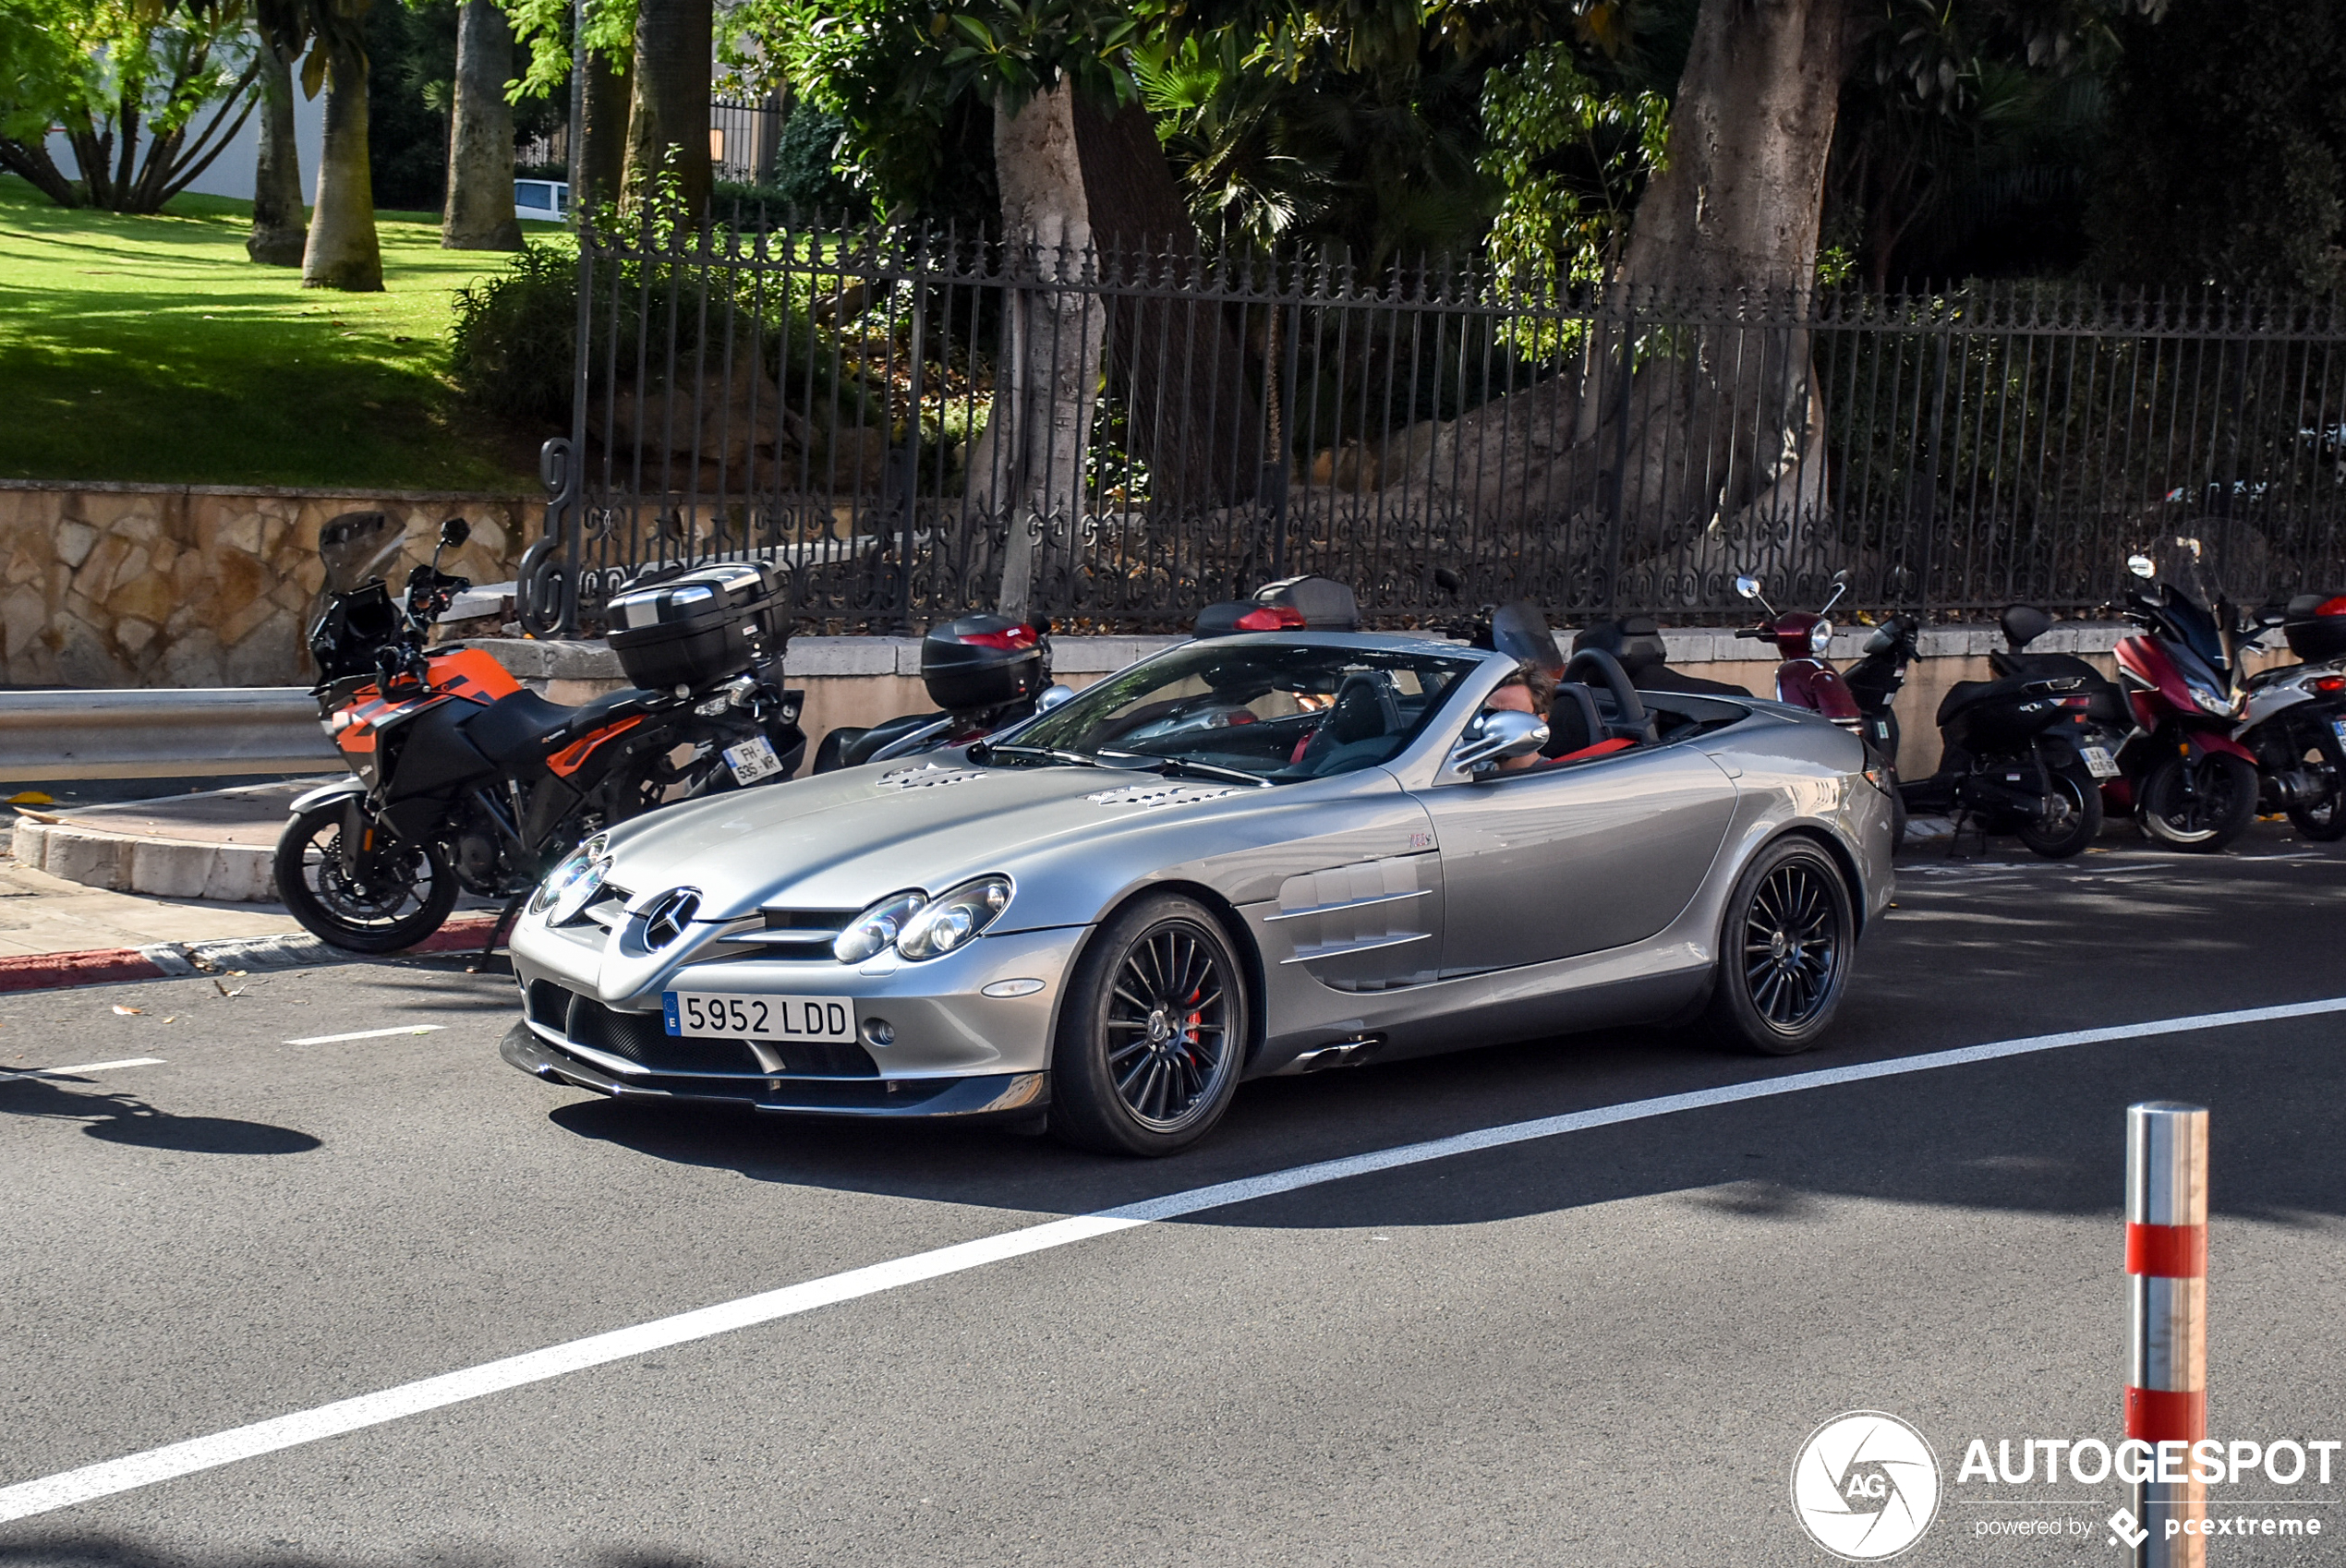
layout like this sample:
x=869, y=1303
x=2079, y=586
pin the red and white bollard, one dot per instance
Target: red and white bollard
x=2167, y=1274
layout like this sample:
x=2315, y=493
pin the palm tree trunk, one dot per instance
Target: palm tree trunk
x=603, y=160
x=669, y=118
x=479, y=214
x=343, y=252
x=280, y=228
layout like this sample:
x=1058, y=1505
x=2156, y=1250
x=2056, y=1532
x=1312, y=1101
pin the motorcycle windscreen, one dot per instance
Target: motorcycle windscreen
x=357, y=546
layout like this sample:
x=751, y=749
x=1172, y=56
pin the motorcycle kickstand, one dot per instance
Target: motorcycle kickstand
x=497, y=928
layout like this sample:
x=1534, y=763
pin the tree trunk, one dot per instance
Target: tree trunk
x=1026, y=470
x=343, y=252
x=1724, y=424
x=603, y=157
x=280, y=228
x=30, y=161
x=479, y=213
x=670, y=113
x=1178, y=364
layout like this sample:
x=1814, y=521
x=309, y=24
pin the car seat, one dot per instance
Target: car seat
x=1362, y=723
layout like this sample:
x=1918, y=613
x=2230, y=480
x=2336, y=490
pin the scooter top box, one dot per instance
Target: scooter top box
x=2316, y=627
x=983, y=661
x=699, y=626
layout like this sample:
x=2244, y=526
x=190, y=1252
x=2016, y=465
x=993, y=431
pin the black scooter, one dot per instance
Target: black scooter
x=2023, y=754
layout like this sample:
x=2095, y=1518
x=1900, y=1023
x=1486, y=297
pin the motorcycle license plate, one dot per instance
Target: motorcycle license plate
x=826, y=1021
x=752, y=760
x=2339, y=725
x=2098, y=762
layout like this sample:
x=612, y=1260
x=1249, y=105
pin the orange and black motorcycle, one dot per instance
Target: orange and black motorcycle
x=461, y=780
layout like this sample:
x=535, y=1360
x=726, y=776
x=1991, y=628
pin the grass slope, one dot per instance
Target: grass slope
x=151, y=349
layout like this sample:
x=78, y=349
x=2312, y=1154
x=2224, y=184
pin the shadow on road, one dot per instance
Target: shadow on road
x=125, y=1118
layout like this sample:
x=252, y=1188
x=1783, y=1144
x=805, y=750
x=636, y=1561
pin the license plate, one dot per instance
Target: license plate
x=2098, y=762
x=2339, y=725
x=752, y=760
x=809, y=1019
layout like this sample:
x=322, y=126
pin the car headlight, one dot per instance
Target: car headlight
x=951, y=919
x=876, y=929
x=568, y=887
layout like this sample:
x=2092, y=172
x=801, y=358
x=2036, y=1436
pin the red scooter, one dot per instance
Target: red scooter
x=1806, y=678
x=2192, y=784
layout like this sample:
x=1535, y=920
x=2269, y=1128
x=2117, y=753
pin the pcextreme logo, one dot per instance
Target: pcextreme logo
x=1865, y=1486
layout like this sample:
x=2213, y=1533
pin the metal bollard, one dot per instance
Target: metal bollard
x=2167, y=1274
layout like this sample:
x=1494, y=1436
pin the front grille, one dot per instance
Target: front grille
x=643, y=1038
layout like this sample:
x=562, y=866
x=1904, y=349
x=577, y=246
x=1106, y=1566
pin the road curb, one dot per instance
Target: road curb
x=173, y=961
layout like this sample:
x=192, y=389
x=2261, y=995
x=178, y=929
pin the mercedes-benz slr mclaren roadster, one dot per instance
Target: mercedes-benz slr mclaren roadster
x=1268, y=853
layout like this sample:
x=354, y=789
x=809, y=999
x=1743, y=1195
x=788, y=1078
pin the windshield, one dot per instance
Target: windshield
x=1273, y=711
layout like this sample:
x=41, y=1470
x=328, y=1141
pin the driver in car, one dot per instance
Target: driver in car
x=1526, y=689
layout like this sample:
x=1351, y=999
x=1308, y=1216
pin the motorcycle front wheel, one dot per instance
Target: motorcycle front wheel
x=397, y=895
x=2322, y=819
x=2072, y=820
x=2198, y=804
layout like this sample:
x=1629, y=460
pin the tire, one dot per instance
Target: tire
x=1785, y=950
x=385, y=910
x=2076, y=821
x=2218, y=808
x=2324, y=822
x=1130, y=1073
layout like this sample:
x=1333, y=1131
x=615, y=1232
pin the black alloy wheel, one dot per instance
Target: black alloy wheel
x=1154, y=1032
x=1784, y=950
x=2320, y=815
x=2073, y=815
x=2198, y=804
x=395, y=895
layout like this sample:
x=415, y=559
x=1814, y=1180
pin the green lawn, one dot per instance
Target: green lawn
x=151, y=349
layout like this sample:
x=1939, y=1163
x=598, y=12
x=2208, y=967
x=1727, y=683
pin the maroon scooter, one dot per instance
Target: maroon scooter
x=1806, y=678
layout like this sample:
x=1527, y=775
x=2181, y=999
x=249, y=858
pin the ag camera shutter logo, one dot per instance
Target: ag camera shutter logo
x=1865, y=1486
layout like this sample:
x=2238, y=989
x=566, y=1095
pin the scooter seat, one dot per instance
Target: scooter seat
x=523, y=726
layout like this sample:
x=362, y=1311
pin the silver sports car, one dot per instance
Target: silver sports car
x=1268, y=853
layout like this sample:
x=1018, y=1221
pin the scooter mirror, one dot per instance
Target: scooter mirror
x=454, y=533
x=1841, y=578
x=1748, y=586
x=2140, y=566
x=1052, y=697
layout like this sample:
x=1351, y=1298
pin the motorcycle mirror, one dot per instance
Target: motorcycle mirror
x=454, y=533
x=2142, y=567
x=1841, y=578
x=1052, y=697
x=1747, y=585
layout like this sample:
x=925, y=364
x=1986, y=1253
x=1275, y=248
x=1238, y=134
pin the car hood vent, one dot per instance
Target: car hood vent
x=925, y=776
x=1148, y=797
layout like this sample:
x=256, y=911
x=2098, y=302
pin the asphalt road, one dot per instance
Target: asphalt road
x=1597, y=1347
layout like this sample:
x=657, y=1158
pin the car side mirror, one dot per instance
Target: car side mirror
x=1500, y=735
x=1052, y=697
x=454, y=533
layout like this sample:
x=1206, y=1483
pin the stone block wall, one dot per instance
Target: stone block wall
x=117, y=586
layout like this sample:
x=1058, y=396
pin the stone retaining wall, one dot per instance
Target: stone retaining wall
x=197, y=585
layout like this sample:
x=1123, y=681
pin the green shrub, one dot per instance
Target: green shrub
x=513, y=348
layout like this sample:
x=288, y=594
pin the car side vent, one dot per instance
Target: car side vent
x=1149, y=797
x=926, y=776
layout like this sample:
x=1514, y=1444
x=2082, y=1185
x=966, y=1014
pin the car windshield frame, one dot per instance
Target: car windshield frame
x=1261, y=707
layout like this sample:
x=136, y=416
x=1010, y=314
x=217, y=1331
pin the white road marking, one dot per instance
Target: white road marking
x=110, y=1477
x=86, y=1066
x=367, y=1034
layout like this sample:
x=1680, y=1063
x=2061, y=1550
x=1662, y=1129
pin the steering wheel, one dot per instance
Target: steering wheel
x=1632, y=718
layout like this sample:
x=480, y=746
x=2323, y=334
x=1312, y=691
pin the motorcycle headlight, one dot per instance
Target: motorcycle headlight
x=568, y=887
x=2215, y=703
x=876, y=929
x=953, y=918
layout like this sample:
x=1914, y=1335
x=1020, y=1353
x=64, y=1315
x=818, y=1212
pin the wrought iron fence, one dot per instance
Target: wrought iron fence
x=743, y=137
x=916, y=424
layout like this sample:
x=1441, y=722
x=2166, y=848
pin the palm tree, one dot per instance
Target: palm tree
x=279, y=231
x=668, y=124
x=479, y=213
x=343, y=251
